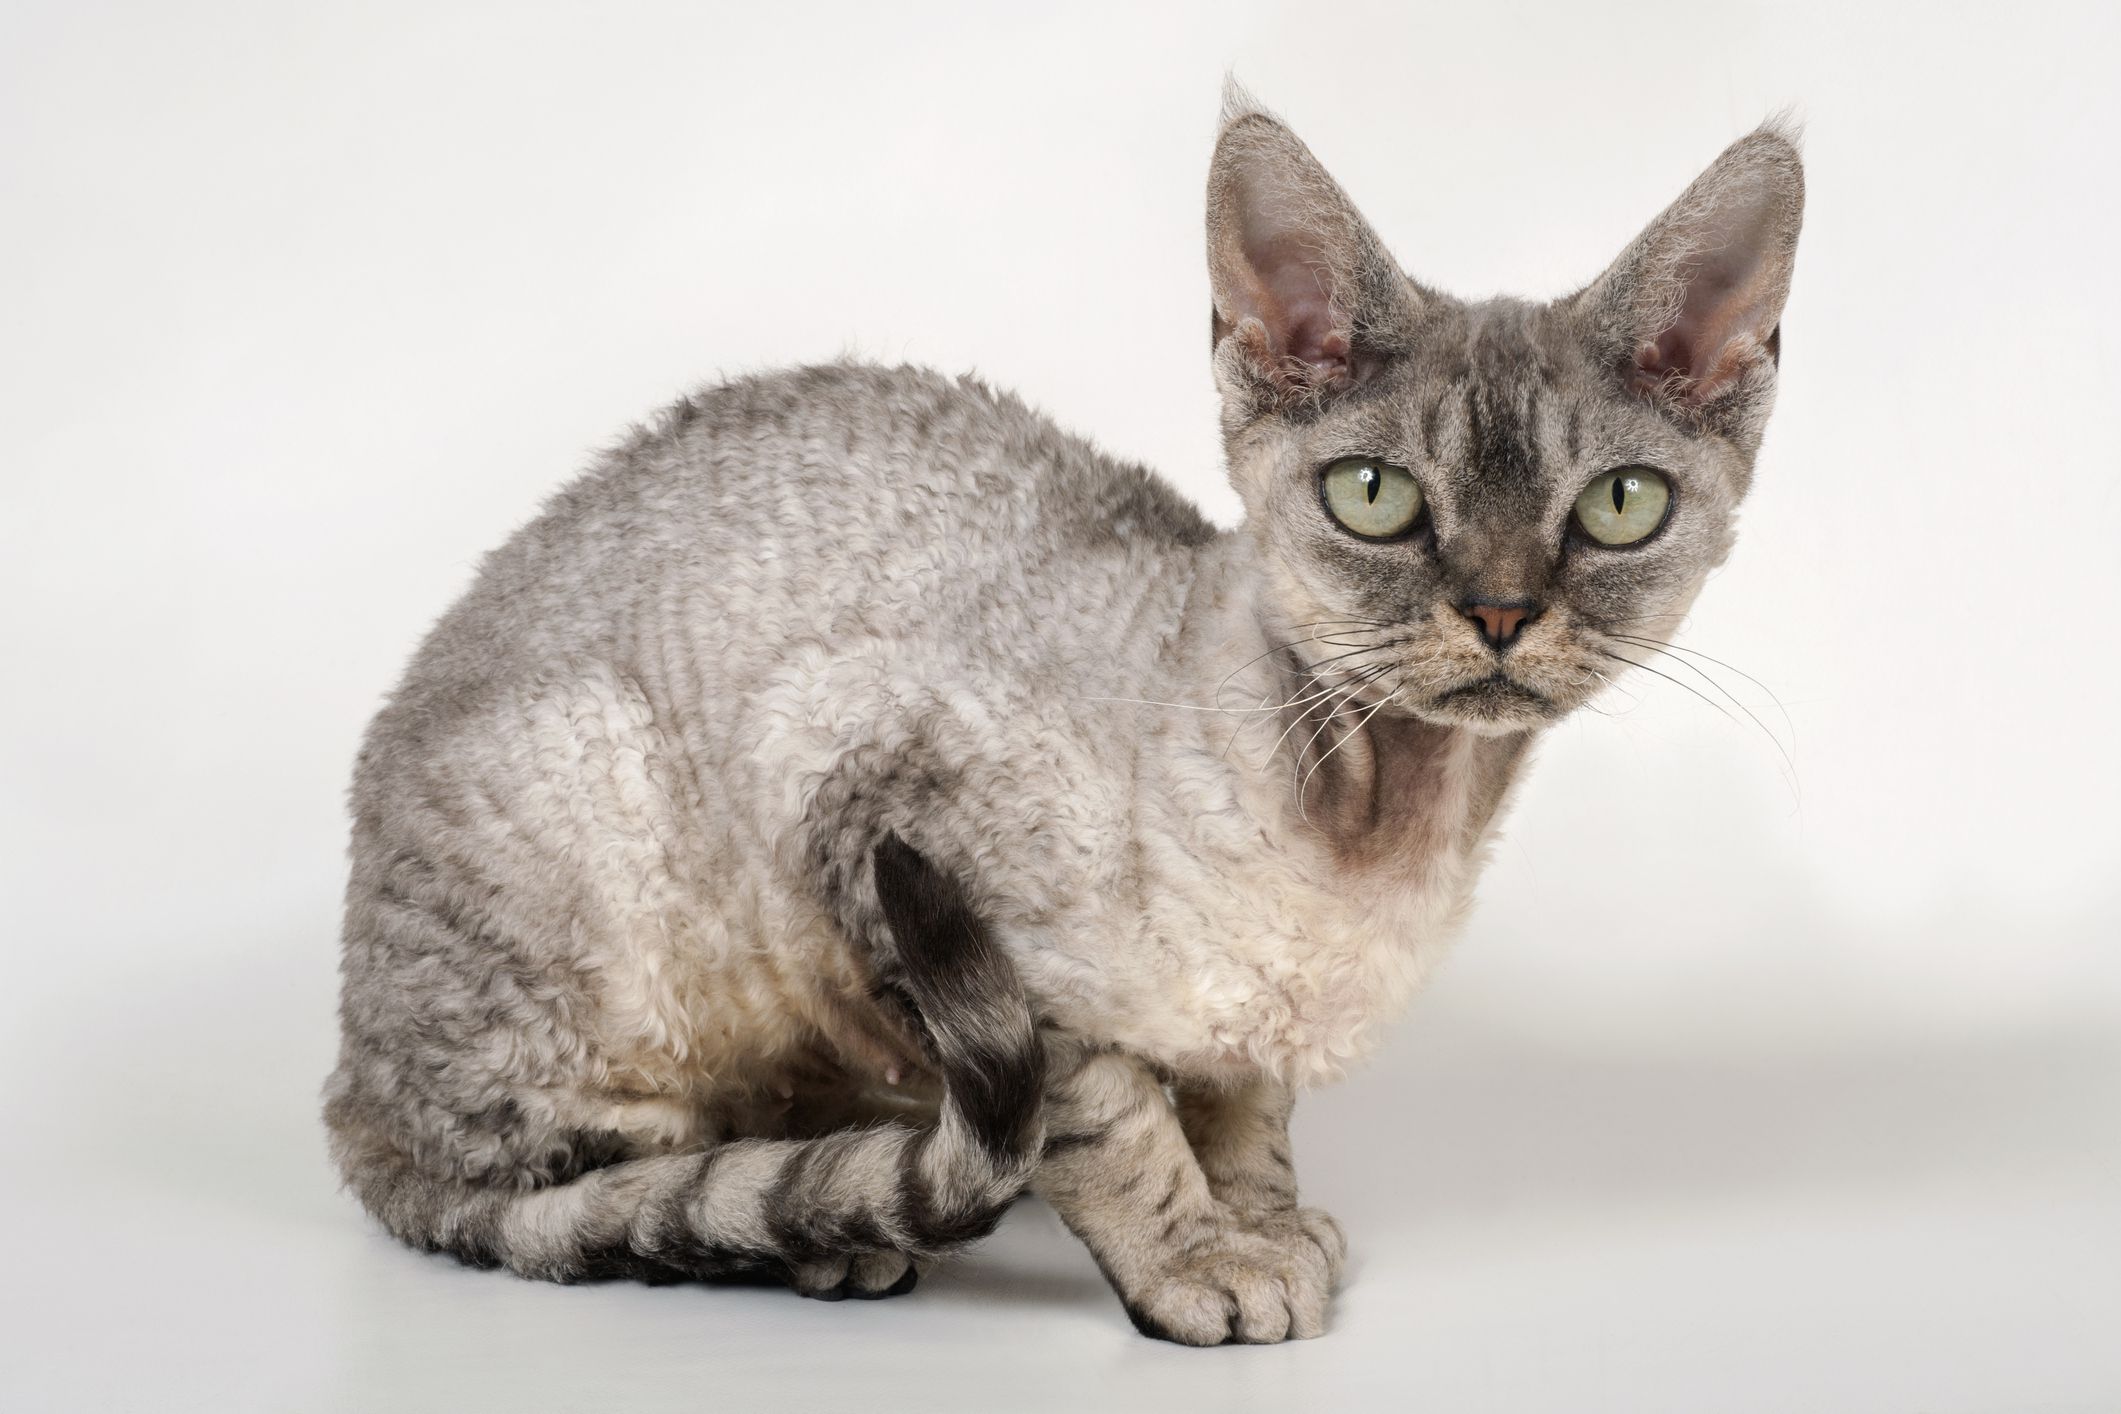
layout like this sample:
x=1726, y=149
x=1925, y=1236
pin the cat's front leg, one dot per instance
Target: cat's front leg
x=1188, y=1268
x=1239, y=1135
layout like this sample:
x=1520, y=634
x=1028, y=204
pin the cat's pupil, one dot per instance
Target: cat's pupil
x=1371, y=482
x=1621, y=487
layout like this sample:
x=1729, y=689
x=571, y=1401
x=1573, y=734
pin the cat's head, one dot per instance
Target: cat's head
x=1466, y=500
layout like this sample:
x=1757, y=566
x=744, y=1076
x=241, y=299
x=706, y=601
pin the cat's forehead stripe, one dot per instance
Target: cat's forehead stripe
x=1488, y=408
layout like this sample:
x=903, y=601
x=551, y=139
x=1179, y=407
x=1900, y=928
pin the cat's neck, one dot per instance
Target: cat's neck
x=1387, y=791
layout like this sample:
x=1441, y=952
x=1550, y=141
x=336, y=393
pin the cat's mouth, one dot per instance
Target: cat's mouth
x=1496, y=701
x=1497, y=686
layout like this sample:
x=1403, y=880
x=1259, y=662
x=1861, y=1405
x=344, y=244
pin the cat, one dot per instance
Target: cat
x=857, y=801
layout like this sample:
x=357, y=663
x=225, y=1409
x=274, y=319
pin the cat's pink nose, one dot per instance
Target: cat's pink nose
x=1499, y=623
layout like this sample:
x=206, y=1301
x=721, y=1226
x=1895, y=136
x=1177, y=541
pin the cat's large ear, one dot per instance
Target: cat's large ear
x=1690, y=315
x=1307, y=301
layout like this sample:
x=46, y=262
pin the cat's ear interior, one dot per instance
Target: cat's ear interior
x=1691, y=312
x=1300, y=281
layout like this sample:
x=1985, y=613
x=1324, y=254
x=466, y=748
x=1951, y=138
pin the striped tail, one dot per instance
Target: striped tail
x=844, y=1214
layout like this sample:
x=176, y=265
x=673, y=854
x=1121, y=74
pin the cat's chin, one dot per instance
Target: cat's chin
x=1496, y=705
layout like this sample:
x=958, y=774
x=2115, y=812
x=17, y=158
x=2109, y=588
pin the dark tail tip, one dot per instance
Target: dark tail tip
x=970, y=997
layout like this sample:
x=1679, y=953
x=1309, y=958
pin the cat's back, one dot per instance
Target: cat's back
x=856, y=466
x=896, y=462
x=794, y=513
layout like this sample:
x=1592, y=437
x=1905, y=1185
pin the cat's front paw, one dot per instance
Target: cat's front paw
x=1237, y=1287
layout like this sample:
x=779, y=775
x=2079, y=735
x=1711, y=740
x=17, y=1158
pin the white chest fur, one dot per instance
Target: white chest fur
x=1224, y=935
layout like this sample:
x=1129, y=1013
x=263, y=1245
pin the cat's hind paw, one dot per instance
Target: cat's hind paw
x=864, y=1276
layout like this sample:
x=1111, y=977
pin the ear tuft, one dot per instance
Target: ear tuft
x=1690, y=314
x=1238, y=102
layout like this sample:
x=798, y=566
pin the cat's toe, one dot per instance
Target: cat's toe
x=865, y=1276
x=1322, y=1230
x=821, y=1281
x=1264, y=1306
x=1306, y=1237
x=876, y=1275
x=1184, y=1311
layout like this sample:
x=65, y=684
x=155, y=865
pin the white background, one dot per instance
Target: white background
x=1751, y=1088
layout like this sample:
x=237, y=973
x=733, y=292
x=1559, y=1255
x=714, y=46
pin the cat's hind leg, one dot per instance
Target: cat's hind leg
x=845, y=1213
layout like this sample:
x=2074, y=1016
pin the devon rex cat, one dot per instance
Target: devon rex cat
x=820, y=824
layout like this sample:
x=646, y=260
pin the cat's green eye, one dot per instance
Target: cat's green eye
x=1375, y=499
x=1624, y=506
